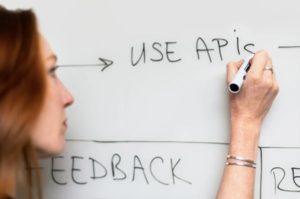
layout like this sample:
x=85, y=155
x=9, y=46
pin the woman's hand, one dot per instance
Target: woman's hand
x=249, y=107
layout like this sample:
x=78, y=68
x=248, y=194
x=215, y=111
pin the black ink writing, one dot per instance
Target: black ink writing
x=75, y=169
x=152, y=172
x=162, y=51
x=55, y=170
x=137, y=164
x=102, y=167
x=115, y=166
x=83, y=170
x=279, y=175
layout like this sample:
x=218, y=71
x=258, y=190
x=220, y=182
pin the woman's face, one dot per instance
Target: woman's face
x=49, y=131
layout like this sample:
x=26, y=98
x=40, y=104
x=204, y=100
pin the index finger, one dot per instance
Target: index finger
x=258, y=63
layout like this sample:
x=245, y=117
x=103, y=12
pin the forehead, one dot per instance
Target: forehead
x=46, y=49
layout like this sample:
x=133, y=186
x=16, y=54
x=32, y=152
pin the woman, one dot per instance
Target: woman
x=33, y=100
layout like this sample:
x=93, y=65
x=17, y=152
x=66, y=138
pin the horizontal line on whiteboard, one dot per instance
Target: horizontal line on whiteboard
x=172, y=142
x=143, y=141
x=279, y=147
x=79, y=65
x=288, y=46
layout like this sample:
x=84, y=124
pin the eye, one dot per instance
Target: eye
x=52, y=71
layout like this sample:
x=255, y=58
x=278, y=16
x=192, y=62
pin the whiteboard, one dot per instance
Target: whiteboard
x=154, y=123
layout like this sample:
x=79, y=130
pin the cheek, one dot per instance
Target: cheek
x=48, y=143
x=47, y=135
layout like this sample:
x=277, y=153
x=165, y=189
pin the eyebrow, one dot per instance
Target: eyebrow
x=52, y=56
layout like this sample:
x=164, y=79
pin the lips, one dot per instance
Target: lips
x=65, y=124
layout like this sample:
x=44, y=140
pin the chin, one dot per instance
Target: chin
x=51, y=150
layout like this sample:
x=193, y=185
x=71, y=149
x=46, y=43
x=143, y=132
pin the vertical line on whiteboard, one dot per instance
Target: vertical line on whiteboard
x=261, y=166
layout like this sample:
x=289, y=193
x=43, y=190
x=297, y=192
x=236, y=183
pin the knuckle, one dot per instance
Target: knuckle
x=254, y=78
x=263, y=55
x=268, y=83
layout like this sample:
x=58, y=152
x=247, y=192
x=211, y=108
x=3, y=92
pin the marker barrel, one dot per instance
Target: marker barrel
x=236, y=84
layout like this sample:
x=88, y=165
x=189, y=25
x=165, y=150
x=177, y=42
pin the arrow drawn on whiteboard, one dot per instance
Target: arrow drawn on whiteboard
x=104, y=62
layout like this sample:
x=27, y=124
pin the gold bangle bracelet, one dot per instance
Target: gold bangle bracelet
x=241, y=164
x=240, y=159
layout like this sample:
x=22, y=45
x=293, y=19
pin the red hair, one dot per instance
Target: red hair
x=22, y=93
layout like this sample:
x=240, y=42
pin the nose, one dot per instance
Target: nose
x=67, y=98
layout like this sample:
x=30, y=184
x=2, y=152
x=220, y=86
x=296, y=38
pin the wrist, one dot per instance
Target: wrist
x=244, y=138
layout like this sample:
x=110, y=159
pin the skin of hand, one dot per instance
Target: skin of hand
x=259, y=90
x=248, y=109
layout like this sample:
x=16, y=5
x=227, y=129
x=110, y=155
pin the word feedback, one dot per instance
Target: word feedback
x=84, y=170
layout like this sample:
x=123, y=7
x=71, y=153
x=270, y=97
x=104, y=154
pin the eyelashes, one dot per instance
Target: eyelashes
x=52, y=70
